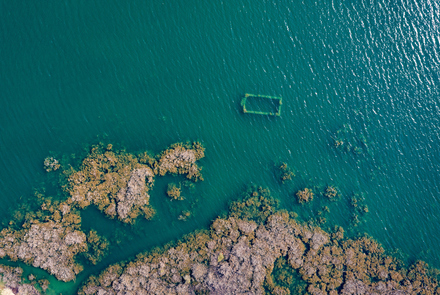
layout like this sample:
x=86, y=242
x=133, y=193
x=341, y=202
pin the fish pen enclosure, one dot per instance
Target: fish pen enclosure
x=261, y=104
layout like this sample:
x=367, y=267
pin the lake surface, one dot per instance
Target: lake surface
x=146, y=74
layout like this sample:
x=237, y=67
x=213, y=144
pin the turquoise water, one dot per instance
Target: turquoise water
x=146, y=74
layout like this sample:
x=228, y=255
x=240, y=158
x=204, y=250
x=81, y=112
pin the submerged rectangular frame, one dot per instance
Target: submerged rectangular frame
x=248, y=95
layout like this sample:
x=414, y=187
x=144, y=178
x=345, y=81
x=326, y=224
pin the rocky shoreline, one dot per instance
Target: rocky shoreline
x=255, y=249
x=239, y=252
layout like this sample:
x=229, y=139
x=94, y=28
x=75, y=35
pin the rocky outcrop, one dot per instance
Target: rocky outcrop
x=51, y=164
x=181, y=159
x=118, y=183
x=238, y=255
x=115, y=182
x=11, y=282
x=50, y=245
x=133, y=198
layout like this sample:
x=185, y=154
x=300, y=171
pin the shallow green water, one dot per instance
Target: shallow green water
x=149, y=73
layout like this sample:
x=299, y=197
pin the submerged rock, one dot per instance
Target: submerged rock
x=51, y=164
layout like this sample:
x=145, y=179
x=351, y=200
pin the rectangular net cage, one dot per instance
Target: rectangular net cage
x=261, y=104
